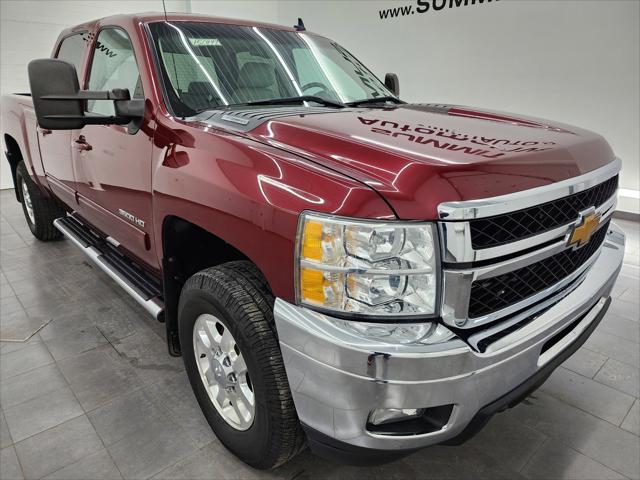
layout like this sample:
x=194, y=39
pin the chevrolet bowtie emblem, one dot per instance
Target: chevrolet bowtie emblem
x=582, y=230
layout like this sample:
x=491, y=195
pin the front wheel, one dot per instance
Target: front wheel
x=235, y=366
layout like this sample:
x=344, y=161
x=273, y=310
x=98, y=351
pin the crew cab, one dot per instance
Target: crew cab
x=337, y=267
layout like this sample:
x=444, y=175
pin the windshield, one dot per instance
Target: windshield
x=209, y=65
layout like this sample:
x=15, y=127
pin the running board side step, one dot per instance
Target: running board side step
x=135, y=281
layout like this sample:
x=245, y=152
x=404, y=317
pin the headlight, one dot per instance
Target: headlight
x=366, y=266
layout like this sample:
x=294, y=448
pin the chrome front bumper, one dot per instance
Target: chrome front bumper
x=338, y=378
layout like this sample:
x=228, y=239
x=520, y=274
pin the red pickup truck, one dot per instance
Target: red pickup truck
x=337, y=267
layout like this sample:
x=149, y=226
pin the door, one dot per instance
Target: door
x=112, y=167
x=55, y=146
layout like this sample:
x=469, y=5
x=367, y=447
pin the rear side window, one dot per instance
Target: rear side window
x=72, y=50
x=113, y=66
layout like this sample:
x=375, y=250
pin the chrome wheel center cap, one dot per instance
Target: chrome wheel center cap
x=217, y=373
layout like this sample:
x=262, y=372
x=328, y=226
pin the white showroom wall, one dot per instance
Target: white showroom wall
x=567, y=60
x=258, y=10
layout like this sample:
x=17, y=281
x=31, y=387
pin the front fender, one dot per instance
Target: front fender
x=250, y=195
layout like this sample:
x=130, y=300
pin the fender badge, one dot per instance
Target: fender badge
x=131, y=218
x=585, y=226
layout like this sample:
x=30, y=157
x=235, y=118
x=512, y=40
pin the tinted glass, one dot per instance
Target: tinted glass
x=72, y=50
x=208, y=65
x=113, y=66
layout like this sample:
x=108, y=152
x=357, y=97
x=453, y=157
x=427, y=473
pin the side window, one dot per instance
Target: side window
x=113, y=66
x=72, y=50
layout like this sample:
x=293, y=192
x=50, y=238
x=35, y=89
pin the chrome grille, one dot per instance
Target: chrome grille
x=502, y=229
x=498, y=292
x=486, y=290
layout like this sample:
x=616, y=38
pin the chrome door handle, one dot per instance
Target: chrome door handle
x=82, y=145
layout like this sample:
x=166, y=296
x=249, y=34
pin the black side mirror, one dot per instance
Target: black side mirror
x=392, y=83
x=59, y=102
x=54, y=78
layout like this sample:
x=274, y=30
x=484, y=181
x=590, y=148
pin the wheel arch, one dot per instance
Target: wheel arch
x=187, y=249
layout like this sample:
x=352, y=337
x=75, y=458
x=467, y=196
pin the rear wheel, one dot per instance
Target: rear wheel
x=39, y=211
x=235, y=366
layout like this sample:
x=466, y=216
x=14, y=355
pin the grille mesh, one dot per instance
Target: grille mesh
x=498, y=292
x=501, y=229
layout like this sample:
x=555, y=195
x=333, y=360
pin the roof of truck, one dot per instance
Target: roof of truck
x=150, y=17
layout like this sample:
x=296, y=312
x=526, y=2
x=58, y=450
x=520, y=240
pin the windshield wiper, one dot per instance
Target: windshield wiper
x=368, y=101
x=300, y=99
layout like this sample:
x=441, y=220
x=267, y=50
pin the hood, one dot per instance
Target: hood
x=417, y=156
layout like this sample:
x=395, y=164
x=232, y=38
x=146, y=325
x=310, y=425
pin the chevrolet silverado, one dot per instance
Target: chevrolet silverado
x=337, y=267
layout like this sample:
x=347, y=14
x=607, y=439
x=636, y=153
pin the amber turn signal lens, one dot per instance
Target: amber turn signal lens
x=312, y=285
x=312, y=241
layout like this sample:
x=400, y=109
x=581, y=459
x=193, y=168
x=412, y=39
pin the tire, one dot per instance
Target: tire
x=44, y=210
x=236, y=297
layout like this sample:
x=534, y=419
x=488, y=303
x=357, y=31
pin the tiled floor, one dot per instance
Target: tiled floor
x=95, y=395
